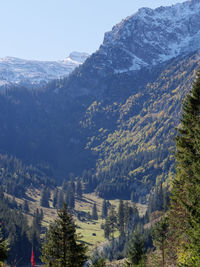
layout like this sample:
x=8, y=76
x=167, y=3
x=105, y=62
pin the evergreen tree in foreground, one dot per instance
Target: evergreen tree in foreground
x=184, y=216
x=136, y=253
x=61, y=248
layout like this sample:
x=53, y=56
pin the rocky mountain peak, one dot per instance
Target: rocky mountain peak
x=152, y=36
x=79, y=57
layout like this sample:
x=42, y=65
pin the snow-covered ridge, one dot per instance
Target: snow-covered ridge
x=152, y=36
x=33, y=72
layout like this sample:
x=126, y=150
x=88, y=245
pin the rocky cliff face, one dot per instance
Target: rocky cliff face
x=150, y=37
x=147, y=39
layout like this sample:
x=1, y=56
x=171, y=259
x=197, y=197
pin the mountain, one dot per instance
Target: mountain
x=33, y=73
x=151, y=37
x=112, y=120
x=146, y=39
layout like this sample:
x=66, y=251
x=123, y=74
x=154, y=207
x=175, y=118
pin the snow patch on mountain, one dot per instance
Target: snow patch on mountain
x=76, y=57
x=34, y=73
x=152, y=36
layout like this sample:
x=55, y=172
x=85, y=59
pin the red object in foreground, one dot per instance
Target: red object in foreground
x=32, y=258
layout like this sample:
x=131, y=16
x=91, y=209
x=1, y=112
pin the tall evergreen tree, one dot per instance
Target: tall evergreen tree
x=37, y=222
x=94, y=212
x=55, y=198
x=107, y=229
x=60, y=199
x=185, y=205
x=44, y=201
x=61, y=248
x=112, y=220
x=104, y=211
x=160, y=233
x=79, y=191
x=136, y=252
x=70, y=196
x=73, y=187
x=34, y=234
x=121, y=217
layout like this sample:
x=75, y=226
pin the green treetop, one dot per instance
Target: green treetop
x=61, y=248
x=185, y=205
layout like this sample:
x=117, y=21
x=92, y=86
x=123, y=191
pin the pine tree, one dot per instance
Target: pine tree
x=104, y=211
x=35, y=231
x=112, y=220
x=94, y=212
x=127, y=216
x=159, y=235
x=185, y=205
x=70, y=198
x=136, y=252
x=79, y=191
x=44, y=201
x=107, y=230
x=60, y=199
x=41, y=214
x=37, y=222
x=55, y=198
x=121, y=217
x=61, y=248
x=72, y=186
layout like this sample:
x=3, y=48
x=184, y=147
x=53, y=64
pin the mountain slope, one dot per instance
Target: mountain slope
x=139, y=152
x=150, y=37
x=114, y=121
x=35, y=73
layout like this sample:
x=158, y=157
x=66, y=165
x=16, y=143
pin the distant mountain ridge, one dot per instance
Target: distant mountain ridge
x=32, y=73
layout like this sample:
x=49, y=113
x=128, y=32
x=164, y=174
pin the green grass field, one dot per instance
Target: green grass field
x=90, y=230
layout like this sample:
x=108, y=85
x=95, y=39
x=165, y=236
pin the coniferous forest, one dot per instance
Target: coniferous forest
x=102, y=167
x=167, y=234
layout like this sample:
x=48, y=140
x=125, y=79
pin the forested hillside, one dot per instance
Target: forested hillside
x=111, y=121
x=124, y=140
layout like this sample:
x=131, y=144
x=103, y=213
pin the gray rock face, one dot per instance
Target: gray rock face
x=137, y=44
x=150, y=37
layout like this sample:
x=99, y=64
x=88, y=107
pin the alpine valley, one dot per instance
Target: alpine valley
x=111, y=121
x=115, y=114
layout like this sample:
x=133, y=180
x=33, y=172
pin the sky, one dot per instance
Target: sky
x=51, y=29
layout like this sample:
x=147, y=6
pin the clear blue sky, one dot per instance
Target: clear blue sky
x=51, y=29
